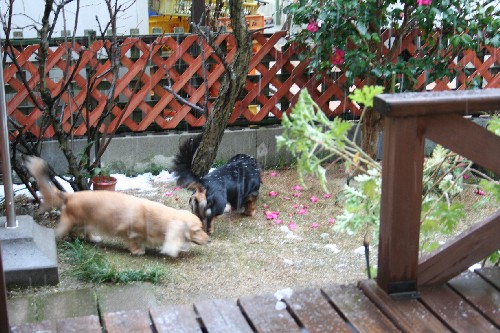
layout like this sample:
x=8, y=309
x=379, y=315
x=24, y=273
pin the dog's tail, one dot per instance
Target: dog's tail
x=52, y=197
x=183, y=161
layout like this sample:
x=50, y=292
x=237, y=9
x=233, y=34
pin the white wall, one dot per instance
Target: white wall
x=28, y=13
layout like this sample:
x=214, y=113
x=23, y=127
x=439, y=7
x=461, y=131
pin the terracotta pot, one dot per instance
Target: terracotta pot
x=106, y=183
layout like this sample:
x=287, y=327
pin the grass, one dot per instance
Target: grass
x=91, y=265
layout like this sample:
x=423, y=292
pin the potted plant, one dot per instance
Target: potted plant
x=102, y=180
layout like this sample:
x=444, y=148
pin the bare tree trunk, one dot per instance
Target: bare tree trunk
x=197, y=11
x=370, y=128
x=231, y=86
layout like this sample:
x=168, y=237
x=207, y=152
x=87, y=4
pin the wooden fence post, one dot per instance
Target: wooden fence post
x=402, y=166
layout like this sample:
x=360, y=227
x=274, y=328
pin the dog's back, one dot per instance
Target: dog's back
x=237, y=180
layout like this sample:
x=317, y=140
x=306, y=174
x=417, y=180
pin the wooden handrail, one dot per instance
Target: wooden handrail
x=409, y=119
x=414, y=104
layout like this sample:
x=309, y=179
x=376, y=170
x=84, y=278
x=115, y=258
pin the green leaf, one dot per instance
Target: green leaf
x=466, y=39
x=366, y=94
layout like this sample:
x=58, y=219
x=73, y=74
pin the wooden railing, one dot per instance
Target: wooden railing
x=409, y=118
x=276, y=77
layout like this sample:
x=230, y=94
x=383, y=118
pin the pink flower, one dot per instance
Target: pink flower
x=273, y=174
x=424, y=2
x=168, y=194
x=265, y=206
x=271, y=215
x=286, y=198
x=326, y=196
x=297, y=188
x=465, y=176
x=337, y=58
x=278, y=221
x=297, y=194
x=314, y=225
x=479, y=192
x=302, y=211
x=177, y=188
x=273, y=193
x=313, y=199
x=332, y=221
x=292, y=226
x=295, y=206
x=312, y=26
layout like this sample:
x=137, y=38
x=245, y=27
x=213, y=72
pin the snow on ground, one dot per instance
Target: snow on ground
x=142, y=183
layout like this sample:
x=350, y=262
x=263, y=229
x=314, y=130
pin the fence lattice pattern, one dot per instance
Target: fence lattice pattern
x=276, y=77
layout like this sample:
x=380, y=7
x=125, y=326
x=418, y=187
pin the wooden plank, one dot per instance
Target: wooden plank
x=264, y=316
x=86, y=324
x=480, y=293
x=427, y=103
x=454, y=310
x=175, y=319
x=450, y=131
x=400, y=204
x=222, y=316
x=408, y=315
x=461, y=252
x=312, y=309
x=134, y=321
x=359, y=311
x=490, y=274
x=41, y=327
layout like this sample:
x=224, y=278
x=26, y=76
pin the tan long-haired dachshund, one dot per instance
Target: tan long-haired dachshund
x=140, y=222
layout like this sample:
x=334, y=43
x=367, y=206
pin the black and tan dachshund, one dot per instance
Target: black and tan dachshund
x=235, y=184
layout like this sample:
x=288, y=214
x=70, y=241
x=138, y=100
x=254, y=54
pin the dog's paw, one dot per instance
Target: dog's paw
x=250, y=212
x=138, y=251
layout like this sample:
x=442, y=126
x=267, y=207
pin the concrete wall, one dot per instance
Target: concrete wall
x=138, y=153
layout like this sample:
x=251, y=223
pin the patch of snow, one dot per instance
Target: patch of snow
x=288, y=262
x=289, y=233
x=360, y=250
x=332, y=247
x=283, y=294
x=18, y=189
x=324, y=235
x=165, y=177
x=280, y=305
x=143, y=183
x=474, y=267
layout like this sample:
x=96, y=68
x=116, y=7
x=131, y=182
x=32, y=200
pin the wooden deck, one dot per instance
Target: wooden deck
x=467, y=303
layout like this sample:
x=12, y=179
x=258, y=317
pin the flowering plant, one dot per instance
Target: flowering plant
x=347, y=33
x=315, y=140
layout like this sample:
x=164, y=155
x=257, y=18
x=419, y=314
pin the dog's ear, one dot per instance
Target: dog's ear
x=197, y=187
x=187, y=232
x=200, y=195
x=175, y=238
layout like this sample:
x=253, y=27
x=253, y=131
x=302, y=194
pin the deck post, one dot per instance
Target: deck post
x=402, y=167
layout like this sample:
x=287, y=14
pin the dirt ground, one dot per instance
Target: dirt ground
x=251, y=255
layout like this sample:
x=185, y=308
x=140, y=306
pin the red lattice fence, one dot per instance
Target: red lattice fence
x=276, y=77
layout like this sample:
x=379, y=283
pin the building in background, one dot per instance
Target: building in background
x=143, y=17
x=25, y=18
